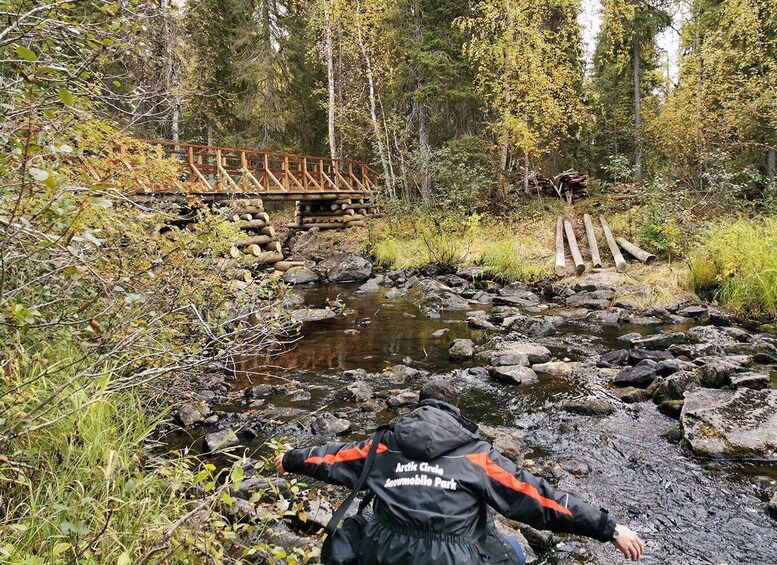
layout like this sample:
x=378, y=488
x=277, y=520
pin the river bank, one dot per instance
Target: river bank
x=575, y=380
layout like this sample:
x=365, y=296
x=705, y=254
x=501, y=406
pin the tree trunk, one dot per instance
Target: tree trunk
x=526, y=172
x=271, y=125
x=330, y=72
x=424, y=125
x=771, y=166
x=637, y=110
x=504, y=154
x=172, y=80
x=371, y=97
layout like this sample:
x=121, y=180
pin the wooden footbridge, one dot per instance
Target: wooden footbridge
x=215, y=173
x=329, y=193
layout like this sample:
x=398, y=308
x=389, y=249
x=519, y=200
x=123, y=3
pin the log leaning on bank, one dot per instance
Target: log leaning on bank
x=561, y=267
x=633, y=250
x=596, y=259
x=573, y=247
x=620, y=263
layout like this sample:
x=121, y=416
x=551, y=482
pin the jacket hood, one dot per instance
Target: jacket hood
x=433, y=429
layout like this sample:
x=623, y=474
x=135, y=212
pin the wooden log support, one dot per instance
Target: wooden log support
x=254, y=250
x=273, y=246
x=254, y=240
x=234, y=252
x=634, y=251
x=620, y=263
x=286, y=265
x=268, y=230
x=573, y=247
x=596, y=259
x=252, y=224
x=561, y=267
x=249, y=209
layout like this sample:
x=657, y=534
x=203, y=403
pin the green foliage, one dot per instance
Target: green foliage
x=463, y=175
x=736, y=263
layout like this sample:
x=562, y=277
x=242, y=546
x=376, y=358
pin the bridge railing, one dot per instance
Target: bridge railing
x=213, y=169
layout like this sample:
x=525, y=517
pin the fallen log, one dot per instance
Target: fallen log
x=246, y=217
x=634, y=251
x=249, y=210
x=561, y=267
x=596, y=259
x=573, y=247
x=254, y=250
x=620, y=263
x=286, y=265
x=268, y=230
x=234, y=252
x=274, y=246
x=267, y=257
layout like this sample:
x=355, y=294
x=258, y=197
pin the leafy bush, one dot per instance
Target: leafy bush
x=736, y=263
x=463, y=175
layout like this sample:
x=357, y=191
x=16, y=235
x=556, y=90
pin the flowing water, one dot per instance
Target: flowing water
x=687, y=510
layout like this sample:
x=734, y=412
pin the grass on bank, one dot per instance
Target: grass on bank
x=511, y=250
x=735, y=263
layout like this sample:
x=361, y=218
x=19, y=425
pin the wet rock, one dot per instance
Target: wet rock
x=398, y=374
x=739, y=424
x=372, y=285
x=312, y=315
x=771, y=507
x=327, y=424
x=600, y=281
x=637, y=355
x=629, y=337
x=760, y=351
x=713, y=334
x=643, y=320
x=674, y=386
x=554, y=368
x=613, y=358
x=298, y=396
x=394, y=293
x=441, y=333
x=359, y=391
x=516, y=297
x=192, y=413
x=588, y=406
x=660, y=341
x=608, y=373
x=717, y=372
x=507, y=443
x=756, y=381
x=534, y=352
x=693, y=312
x=506, y=359
x=668, y=366
x=211, y=420
x=673, y=435
x=355, y=374
x=346, y=268
x=573, y=314
x=479, y=372
x=406, y=398
x=257, y=391
x=432, y=295
x=218, y=441
x=513, y=374
x=692, y=351
x=588, y=301
x=480, y=322
x=671, y=408
x=540, y=540
x=470, y=273
x=642, y=374
x=300, y=275
x=318, y=511
x=626, y=304
x=608, y=317
x=632, y=394
x=461, y=350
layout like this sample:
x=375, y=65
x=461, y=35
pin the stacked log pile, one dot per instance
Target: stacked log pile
x=332, y=214
x=569, y=186
x=258, y=244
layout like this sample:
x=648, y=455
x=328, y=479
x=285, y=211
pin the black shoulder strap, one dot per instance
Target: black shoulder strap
x=343, y=508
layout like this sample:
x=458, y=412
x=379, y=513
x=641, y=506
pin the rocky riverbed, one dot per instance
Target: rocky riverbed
x=665, y=416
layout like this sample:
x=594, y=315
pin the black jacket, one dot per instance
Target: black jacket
x=433, y=478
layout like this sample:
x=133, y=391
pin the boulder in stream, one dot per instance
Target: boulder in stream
x=738, y=424
x=675, y=386
x=432, y=295
x=554, y=368
x=192, y=413
x=404, y=398
x=346, y=268
x=588, y=406
x=312, y=314
x=513, y=374
x=461, y=350
x=327, y=424
x=218, y=441
x=359, y=391
x=300, y=275
x=642, y=374
x=659, y=341
x=533, y=352
x=757, y=381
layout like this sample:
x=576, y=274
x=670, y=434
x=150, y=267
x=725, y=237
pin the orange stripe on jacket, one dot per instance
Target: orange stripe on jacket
x=345, y=455
x=495, y=472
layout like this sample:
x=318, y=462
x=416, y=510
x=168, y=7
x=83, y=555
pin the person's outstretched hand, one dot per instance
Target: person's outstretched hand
x=278, y=461
x=629, y=543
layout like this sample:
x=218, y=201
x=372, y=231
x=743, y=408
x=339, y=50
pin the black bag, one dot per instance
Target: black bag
x=341, y=546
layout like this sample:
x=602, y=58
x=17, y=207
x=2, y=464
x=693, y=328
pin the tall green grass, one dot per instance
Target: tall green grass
x=508, y=249
x=736, y=263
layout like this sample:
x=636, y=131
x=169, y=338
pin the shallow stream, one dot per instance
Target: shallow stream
x=687, y=510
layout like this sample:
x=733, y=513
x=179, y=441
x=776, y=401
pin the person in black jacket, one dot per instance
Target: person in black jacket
x=433, y=480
